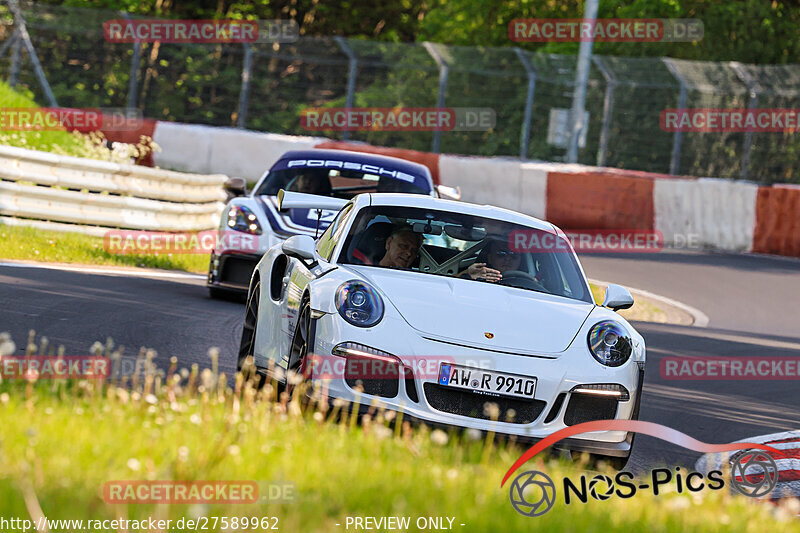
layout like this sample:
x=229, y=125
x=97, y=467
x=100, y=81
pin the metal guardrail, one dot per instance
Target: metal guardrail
x=85, y=195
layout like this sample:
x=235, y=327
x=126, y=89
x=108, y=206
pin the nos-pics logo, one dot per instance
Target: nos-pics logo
x=532, y=493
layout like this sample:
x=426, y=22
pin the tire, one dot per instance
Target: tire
x=249, y=328
x=298, y=349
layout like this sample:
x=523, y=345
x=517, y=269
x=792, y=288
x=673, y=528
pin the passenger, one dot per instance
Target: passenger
x=494, y=259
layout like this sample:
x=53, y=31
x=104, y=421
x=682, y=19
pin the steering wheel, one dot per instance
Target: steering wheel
x=521, y=279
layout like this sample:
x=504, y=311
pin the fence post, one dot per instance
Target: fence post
x=675, y=162
x=444, y=69
x=16, y=59
x=244, y=93
x=755, y=89
x=525, y=137
x=352, y=71
x=19, y=20
x=133, y=78
x=608, y=107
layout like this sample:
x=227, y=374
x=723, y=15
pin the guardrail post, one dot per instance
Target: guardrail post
x=244, y=94
x=444, y=70
x=677, y=139
x=352, y=72
x=608, y=108
x=525, y=136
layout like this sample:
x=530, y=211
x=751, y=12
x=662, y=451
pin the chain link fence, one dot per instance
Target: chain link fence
x=265, y=86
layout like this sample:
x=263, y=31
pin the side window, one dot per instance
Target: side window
x=327, y=242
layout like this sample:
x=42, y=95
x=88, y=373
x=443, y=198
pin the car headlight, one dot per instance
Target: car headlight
x=610, y=343
x=359, y=303
x=241, y=218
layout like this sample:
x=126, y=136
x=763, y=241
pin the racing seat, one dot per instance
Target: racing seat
x=369, y=247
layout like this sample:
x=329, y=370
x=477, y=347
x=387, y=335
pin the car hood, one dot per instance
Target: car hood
x=470, y=312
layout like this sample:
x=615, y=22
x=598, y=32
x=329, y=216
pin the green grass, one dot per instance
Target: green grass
x=32, y=244
x=61, y=142
x=91, y=145
x=61, y=442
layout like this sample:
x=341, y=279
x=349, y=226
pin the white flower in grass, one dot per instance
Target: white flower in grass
x=439, y=437
x=134, y=464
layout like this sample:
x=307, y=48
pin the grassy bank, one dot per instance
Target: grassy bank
x=62, y=442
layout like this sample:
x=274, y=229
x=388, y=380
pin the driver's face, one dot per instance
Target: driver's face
x=401, y=250
x=502, y=259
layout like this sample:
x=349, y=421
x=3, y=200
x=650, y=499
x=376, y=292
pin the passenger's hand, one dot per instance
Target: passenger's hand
x=481, y=271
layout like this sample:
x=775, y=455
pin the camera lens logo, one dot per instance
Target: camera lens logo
x=753, y=473
x=601, y=480
x=532, y=493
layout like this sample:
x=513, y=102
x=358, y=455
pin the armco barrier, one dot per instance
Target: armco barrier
x=81, y=193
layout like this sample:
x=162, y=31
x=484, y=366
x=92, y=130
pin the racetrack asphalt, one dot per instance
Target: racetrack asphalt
x=752, y=302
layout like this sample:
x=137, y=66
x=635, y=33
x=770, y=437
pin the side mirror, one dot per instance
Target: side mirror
x=299, y=246
x=450, y=193
x=235, y=187
x=617, y=297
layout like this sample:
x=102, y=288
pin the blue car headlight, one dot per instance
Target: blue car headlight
x=359, y=303
x=241, y=218
x=610, y=343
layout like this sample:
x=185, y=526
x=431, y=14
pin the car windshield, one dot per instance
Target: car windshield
x=338, y=183
x=469, y=247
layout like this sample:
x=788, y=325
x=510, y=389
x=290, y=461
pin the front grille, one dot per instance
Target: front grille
x=589, y=407
x=237, y=270
x=466, y=403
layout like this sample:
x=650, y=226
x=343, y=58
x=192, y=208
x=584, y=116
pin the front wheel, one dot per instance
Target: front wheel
x=247, y=344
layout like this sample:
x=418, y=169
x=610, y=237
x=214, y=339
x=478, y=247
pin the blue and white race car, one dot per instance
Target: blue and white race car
x=332, y=173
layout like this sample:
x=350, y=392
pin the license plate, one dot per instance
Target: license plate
x=486, y=381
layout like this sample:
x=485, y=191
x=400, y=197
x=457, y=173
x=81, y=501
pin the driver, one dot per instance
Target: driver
x=311, y=182
x=402, y=246
x=493, y=260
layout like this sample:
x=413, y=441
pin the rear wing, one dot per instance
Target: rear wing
x=299, y=200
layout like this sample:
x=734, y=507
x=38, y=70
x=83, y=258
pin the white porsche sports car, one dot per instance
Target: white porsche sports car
x=443, y=310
